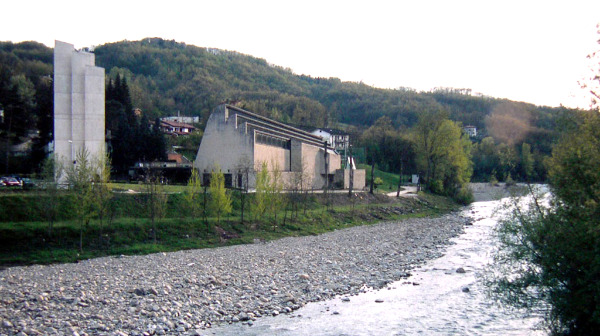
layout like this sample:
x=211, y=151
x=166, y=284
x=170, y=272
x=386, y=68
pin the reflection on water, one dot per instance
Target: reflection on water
x=435, y=300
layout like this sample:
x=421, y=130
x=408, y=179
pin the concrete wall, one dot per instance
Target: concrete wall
x=342, y=176
x=78, y=103
x=225, y=145
x=272, y=156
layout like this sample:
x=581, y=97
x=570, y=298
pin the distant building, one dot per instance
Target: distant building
x=335, y=138
x=78, y=103
x=176, y=128
x=177, y=158
x=182, y=119
x=239, y=141
x=470, y=130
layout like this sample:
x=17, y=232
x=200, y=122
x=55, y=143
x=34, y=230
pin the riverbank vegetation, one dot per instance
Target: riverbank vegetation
x=127, y=227
x=550, y=248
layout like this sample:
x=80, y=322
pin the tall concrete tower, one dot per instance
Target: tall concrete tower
x=78, y=103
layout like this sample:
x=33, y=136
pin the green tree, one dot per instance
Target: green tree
x=220, y=201
x=527, y=162
x=443, y=155
x=79, y=178
x=374, y=140
x=275, y=200
x=486, y=160
x=193, y=194
x=551, y=253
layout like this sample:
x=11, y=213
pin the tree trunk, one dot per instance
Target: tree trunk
x=372, y=176
x=81, y=237
x=242, y=196
x=399, y=182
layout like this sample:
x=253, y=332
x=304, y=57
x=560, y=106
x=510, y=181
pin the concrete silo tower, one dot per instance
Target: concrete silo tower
x=78, y=104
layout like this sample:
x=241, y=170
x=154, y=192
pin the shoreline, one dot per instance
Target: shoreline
x=182, y=293
x=186, y=292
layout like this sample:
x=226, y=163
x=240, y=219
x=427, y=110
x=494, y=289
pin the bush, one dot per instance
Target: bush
x=436, y=187
x=464, y=195
x=493, y=180
x=509, y=181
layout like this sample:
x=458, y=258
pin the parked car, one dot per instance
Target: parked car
x=29, y=183
x=10, y=182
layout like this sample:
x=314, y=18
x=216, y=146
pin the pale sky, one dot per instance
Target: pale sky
x=524, y=50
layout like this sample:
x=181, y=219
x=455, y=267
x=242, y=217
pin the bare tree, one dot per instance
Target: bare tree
x=101, y=192
x=156, y=199
x=244, y=168
x=52, y=172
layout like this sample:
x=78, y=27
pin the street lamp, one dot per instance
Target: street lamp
x=72, y=157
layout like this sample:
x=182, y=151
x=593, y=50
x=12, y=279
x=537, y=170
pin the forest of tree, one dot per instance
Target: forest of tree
x=166, y=77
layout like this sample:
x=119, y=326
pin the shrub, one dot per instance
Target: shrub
x=464, y=195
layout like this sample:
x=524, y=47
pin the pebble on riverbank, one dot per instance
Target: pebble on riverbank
x=182, y=293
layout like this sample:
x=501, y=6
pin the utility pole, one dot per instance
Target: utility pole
x=351, y=172
x=326, y=160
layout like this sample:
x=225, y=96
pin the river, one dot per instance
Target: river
x=434, y=300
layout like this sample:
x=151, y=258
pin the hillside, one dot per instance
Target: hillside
x=166, y=77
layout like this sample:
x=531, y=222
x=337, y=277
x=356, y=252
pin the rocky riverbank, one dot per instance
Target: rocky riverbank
x=183, y=293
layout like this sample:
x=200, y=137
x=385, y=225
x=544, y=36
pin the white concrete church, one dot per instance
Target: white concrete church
x=237, y=140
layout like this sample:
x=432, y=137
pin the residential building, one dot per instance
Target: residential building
x=470, y=130
x=182, y=119
x=176, y=128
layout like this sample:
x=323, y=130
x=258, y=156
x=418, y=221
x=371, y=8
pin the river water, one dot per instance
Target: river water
x=435, y=300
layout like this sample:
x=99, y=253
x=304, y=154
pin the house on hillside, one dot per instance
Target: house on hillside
x=335, y=138
x=182, y=119
x=470, y=130
x=239, y=141
x=176, y=128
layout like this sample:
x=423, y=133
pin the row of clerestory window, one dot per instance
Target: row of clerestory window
x=272, y=141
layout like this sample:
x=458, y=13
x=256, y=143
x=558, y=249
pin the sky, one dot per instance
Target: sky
x=524, y=50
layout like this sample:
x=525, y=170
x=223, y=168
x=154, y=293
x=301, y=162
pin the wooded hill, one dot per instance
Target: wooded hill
x=166, y=77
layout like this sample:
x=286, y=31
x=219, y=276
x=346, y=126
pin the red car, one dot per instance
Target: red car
x=10, y=182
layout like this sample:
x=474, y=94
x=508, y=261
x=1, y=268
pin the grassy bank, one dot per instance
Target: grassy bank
x=389, y=180
x=129, y=232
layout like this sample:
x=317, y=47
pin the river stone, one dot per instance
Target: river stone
x=194, y=289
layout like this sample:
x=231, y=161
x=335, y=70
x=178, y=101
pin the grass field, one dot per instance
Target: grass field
x=390, y=180
x=30, y=242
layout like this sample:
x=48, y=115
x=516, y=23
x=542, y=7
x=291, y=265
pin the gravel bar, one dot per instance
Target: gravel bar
x=185, y=292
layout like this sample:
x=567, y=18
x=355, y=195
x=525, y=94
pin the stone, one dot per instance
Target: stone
x=246, y=281
x=460, y=270
x=303, y=276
